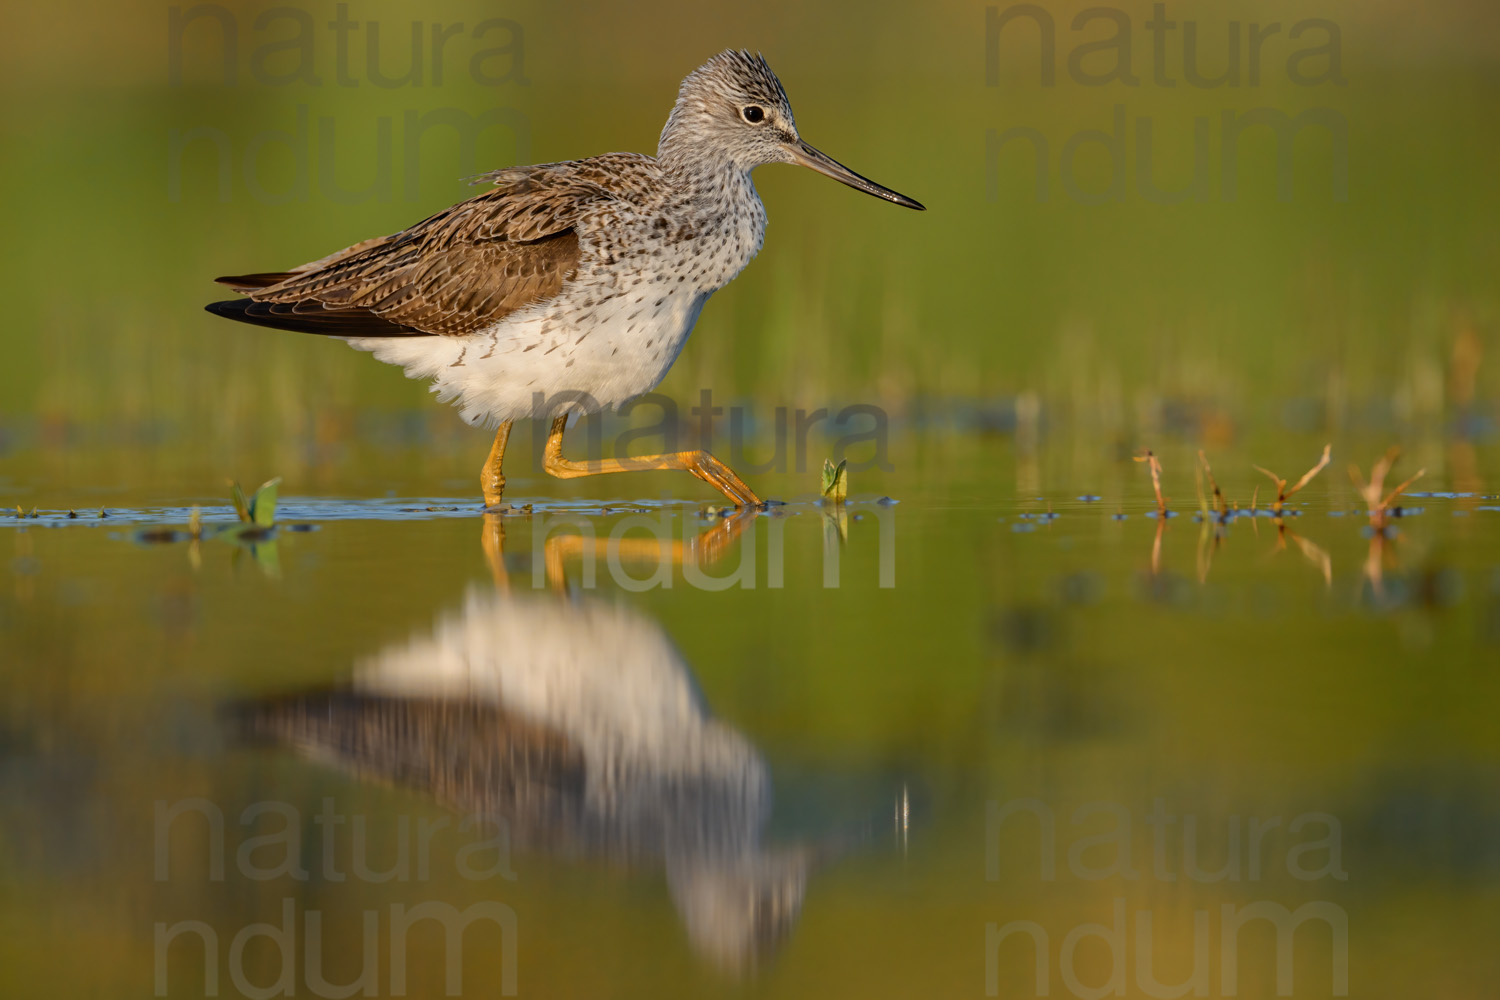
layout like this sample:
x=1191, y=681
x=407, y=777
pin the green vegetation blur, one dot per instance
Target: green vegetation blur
x=1344, y=261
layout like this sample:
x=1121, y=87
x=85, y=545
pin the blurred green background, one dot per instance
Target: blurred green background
x=1253, y=315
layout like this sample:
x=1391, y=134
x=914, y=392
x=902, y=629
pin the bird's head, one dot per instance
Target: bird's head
x=733, y=108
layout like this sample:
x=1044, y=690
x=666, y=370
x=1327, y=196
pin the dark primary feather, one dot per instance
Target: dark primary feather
x=311, y=318
x=452, y=274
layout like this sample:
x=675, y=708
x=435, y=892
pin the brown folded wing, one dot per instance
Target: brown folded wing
x=452, y=274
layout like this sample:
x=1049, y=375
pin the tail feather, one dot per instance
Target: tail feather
x=311, y=317
x=249, y=282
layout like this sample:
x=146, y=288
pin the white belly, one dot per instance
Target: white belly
x=603, y=676
x=559, y=357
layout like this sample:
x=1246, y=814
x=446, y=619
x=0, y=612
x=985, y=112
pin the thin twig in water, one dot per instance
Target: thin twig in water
x=1219, y=505
x=1380, y=508
x=1155, y=464
x=1282, y=493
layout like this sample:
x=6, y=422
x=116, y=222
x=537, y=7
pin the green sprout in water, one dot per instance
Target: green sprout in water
x=260, y=509
x=257, y=527
x=835, y=480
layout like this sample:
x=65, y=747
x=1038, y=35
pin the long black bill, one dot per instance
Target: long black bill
x=809, y=157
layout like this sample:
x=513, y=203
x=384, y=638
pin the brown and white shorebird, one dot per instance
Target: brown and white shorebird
x=567, y=287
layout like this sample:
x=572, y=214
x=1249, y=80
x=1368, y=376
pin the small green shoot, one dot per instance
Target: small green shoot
x=835, y=480
x=257, y=527
x=260, y=508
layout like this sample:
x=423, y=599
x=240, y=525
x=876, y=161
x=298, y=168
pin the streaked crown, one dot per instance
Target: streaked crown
x=731, y=107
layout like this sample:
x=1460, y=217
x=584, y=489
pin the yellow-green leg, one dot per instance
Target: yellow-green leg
x=491, y=479
x=699, y=463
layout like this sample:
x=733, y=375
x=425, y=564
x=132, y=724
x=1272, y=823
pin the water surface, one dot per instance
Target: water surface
x=832, y=748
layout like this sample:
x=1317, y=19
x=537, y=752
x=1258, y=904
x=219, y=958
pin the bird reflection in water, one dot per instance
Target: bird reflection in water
x=576, y=723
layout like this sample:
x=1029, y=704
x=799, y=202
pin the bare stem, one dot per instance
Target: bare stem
x=1282, y=493
x=1219, y=505
x=1155, y=465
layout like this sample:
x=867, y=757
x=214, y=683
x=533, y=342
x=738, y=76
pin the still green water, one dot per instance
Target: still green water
x=787, y=786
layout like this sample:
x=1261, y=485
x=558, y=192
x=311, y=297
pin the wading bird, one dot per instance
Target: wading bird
x=567, y=287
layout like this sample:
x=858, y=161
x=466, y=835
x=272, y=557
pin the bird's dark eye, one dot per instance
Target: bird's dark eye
x=753, y=113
